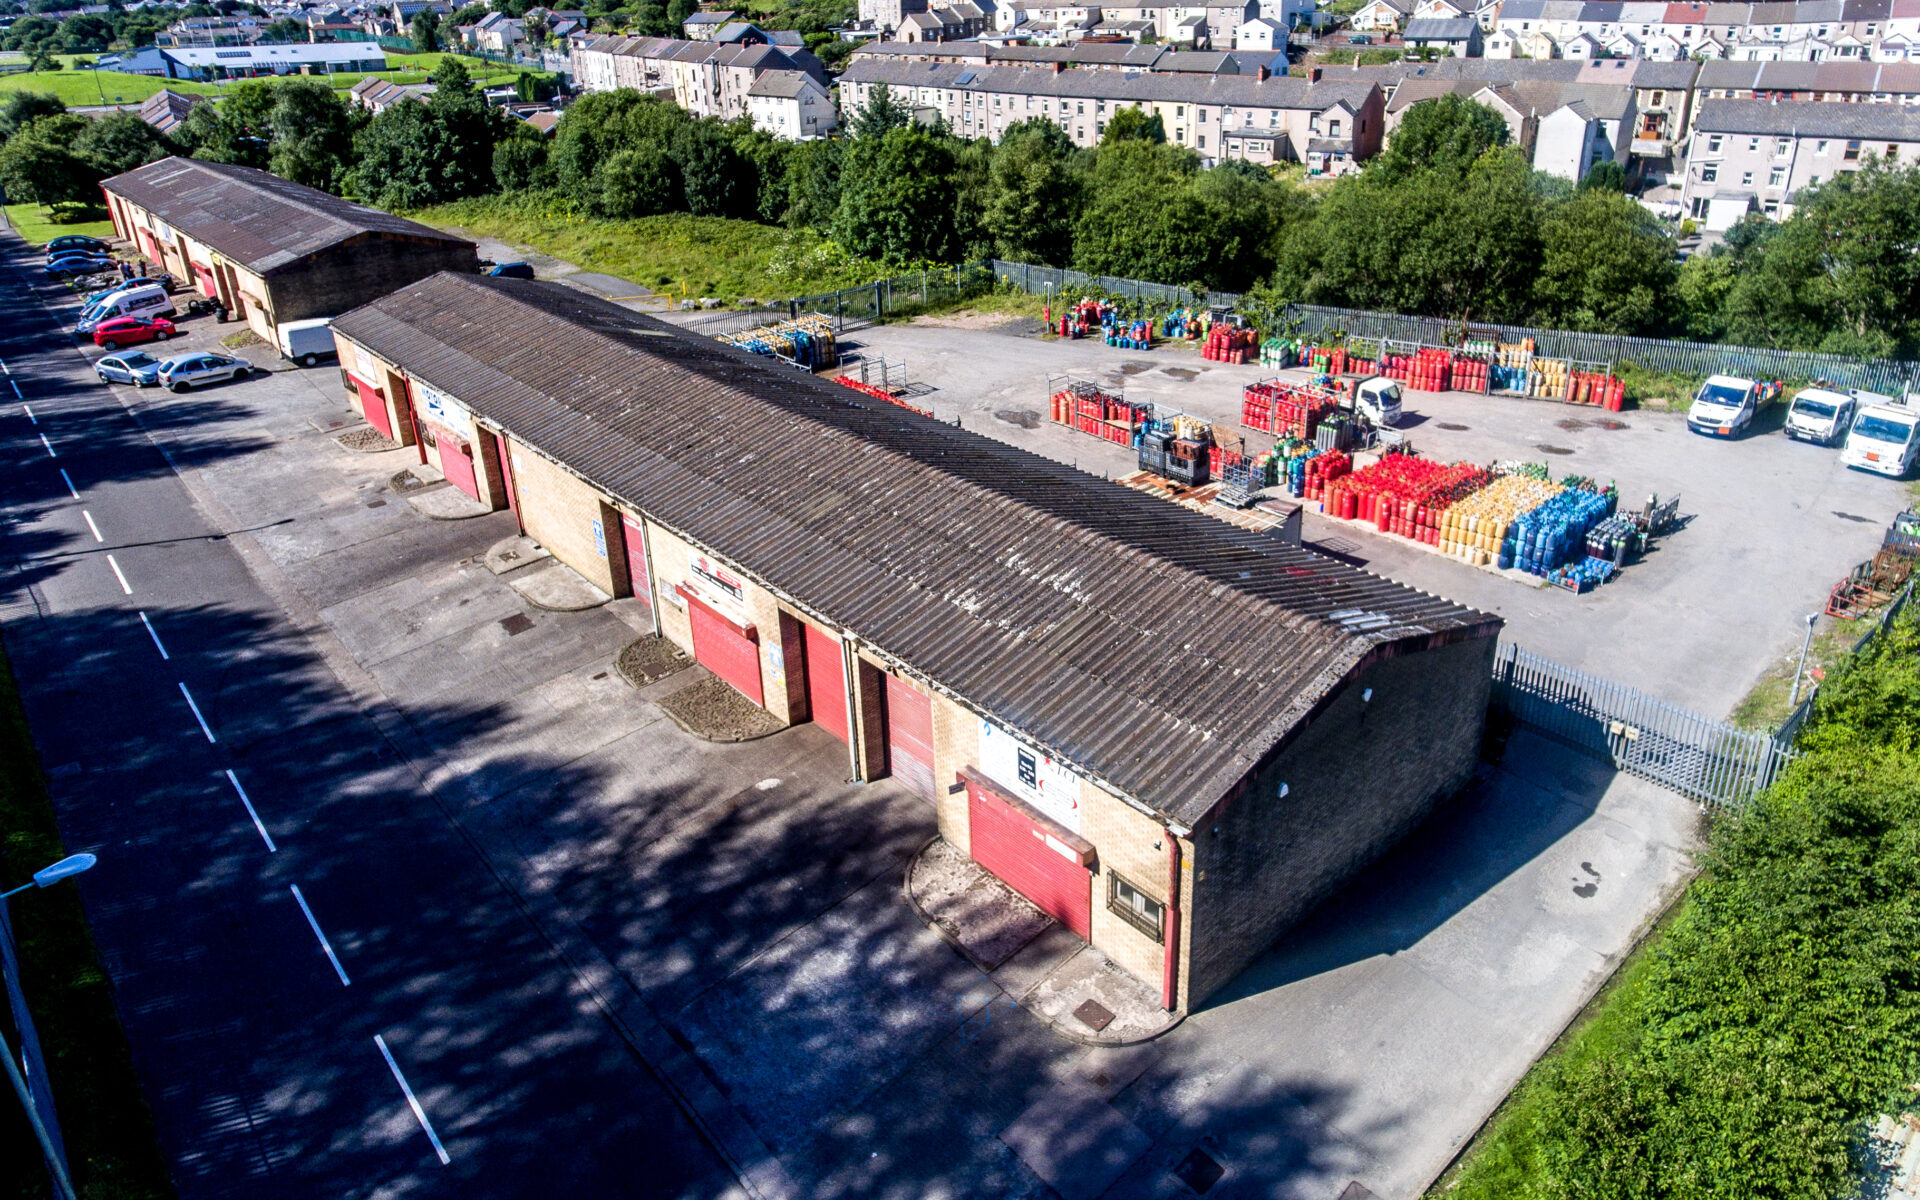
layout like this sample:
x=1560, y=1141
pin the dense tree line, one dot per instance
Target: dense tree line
x=1781, y=1012
x=117, y=28
x=410, y=155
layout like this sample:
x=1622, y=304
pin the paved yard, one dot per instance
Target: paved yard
x=1774, y=522
x=743, y=902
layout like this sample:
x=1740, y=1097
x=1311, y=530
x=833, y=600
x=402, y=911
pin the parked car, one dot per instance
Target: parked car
x=163, y=282
x=116, y=332
x=82, y=263
x=129, y=366
x=516, y=270
x=194, y=370
x=75, y=241
x=1821, y=416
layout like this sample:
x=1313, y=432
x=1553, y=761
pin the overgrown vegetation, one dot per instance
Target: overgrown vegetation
x=109, y=1134
x=1746, y=1053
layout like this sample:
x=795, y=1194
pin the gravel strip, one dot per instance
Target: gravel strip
x=649, y=660
x=367, y=441
x=713, y=710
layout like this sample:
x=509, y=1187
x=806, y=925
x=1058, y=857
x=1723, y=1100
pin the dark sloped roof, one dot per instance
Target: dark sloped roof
x=1810, y=118
x=1157, y=649
x=1278, y=91
x=1441, y=29
x=255, y=218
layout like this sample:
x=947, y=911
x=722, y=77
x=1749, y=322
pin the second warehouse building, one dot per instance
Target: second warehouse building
x=1173, y=735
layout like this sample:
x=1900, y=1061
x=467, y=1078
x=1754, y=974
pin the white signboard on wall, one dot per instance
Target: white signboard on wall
x=1030, y=775
x=446, y=412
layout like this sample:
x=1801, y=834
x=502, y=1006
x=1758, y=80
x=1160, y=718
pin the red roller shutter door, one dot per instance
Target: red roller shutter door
x=1031, y=855
x=636, y=540
x=456, y=463
x=910, y=737
x=826, y=683
x=374, y=406
x=728, y=650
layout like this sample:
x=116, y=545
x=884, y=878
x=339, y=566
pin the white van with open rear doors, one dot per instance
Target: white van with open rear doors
x=308, y=342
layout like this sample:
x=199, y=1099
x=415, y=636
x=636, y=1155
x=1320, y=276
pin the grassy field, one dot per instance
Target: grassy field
x=677, y=254
x=36, y=226
x=109, y=1134
x=76, y=88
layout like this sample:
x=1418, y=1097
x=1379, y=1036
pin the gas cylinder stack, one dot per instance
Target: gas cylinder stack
x=1280, y=407
x=1229, y=345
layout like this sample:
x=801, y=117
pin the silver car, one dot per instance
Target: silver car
x=129, y=366
x=185, y=371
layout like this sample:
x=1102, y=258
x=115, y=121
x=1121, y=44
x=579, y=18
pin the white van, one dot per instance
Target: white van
x=308, y=342
x=146, y=300
x=1821, y=416
x=1884, y=438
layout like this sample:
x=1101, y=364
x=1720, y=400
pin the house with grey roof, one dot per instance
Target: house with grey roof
x=792, y=105
x=1217, y=116
x=1760, y=155
x=1458, y=36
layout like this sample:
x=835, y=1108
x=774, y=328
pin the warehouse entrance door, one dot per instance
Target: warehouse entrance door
x=506, y=476
x=725, y=647
x=374, y=405
x=456, y=463
x=636, y=540
x=910, y=737
x=826, y=683
x=1037, y=857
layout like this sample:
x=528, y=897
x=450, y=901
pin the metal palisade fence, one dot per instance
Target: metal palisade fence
x=1702, y=759
x=1790, y=728
x=1653, y=354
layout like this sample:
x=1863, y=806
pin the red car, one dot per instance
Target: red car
x=127, y=331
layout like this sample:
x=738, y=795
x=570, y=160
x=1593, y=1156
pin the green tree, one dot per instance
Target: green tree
x=896, y=201
x=239, y=129
x=17, y=109
x=1606, y=266
x=425, y=31
x=718, y=182
x=520, y=163
x=39, y=164
x=119, y=142
x=1133, y=125
x=412, y=155
x=677, y=13
x=40, y=60
x=1033, y=194
x=813, y=184
x=285, y=29
x=311, y=134
x=1448, y=133
x=638, y=182
x=880, y=114
x=1607, y=176
x=1142, y=216
x=1701, y=288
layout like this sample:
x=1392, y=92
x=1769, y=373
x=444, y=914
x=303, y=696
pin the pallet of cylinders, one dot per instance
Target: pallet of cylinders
x=805, y=341
x=1229, y=345
x=1285, y=408
x=1475, y=529
x=1278, y=354
x=1092, y=409
x=1555, y=533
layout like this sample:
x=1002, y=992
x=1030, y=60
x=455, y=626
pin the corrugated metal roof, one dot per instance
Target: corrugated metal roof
x=255, y=218
x=1158, y=650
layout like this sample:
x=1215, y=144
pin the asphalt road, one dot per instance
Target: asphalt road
x=326, y=991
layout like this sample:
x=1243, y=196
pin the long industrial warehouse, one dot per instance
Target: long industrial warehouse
x=1173, y=735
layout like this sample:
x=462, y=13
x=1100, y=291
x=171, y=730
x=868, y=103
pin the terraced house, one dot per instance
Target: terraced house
x=708, y=79
x=1173, y=735
x=1330, y=123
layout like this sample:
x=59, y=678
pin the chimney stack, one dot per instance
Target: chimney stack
x=1059, y=66
x=1313, y=74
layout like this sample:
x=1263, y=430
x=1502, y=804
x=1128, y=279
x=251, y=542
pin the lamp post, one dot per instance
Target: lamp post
x=73, y=864
x=1793, y=697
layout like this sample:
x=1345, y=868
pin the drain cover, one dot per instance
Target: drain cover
x=517, y=623
x=1198, y=1171
x=1093, y=1015
x=376, y=504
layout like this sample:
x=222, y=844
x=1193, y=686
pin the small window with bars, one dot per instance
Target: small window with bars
x=1135, y=907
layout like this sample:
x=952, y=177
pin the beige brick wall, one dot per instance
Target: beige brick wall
x=956, y=744
x=386, y=377
x=1133, y=844
x=560, y=512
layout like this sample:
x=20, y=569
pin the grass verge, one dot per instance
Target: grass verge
x=1765, y=706
x=40, y=226
x=1498, y=1163
x=675, y=254
x=109, y=1133
x=76, y=88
